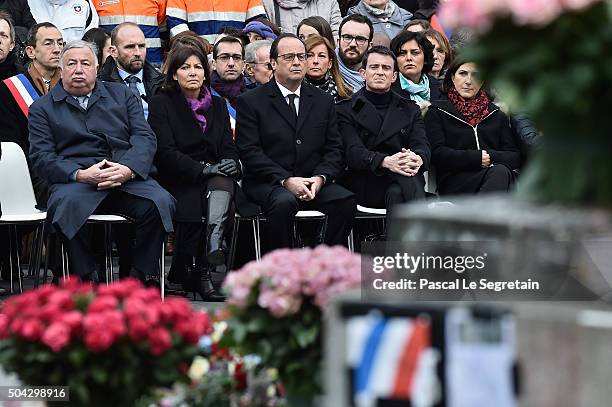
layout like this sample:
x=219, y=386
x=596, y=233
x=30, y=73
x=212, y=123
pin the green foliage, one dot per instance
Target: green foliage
x=290, y=344
x=561, y=75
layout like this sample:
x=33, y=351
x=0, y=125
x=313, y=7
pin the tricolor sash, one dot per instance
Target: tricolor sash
x=22, y=90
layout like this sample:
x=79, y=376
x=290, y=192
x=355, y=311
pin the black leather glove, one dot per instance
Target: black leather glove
x=212, y=169
x=231, y=168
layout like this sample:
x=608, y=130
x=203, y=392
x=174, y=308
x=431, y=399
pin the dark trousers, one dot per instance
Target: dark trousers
x=149, y=234
x=282, y=206
x=190, y=235
x=496, y=178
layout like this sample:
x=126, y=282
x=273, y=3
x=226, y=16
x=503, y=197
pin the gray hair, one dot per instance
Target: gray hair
x=79, y=44
x=250, y=52
x=7, y=17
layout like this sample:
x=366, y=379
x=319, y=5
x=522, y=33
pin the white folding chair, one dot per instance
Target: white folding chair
x=108, y=221
x=18, y=206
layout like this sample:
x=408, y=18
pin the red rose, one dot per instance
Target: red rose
x=174, y=309
x=101, y=329
x=160, y=341
x=137, y=329
x=31, y=330
x=73, y=320
x=61, y=299
x=122, y=289
x=4, y=326
x=56, y=336
x=240, y=375
x=102, y=303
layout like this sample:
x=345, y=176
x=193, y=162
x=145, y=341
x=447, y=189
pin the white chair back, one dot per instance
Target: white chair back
x=16, y=191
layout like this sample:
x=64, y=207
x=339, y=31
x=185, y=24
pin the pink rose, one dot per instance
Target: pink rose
x=56, y=336
x=138, y=329
x=535, y=12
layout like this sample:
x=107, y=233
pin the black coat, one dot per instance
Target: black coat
x=272, y=147
x=434, y=88
x=152, y=79
x=181, y=147
x=368, y=138
x=456, y=146
x=14, y=128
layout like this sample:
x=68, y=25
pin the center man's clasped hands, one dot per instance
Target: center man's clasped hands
x=304, y=189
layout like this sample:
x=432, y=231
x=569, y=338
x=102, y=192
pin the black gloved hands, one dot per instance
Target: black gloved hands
x=231, y=168
x=227, y=167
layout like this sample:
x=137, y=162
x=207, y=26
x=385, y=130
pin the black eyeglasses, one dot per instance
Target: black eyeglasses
x=291, y=56
x=226, y=57
x=347, y=39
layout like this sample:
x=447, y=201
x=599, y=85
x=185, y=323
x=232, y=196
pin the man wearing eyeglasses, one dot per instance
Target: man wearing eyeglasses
x=289, y=144
x=356, y=33
x=226, y=78
x=257, y=69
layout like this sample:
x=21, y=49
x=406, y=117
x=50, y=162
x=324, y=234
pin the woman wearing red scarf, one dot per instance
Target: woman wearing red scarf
x=472, y=146
x=198, y=164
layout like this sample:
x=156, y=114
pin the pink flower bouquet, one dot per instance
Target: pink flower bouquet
x=276, y=308
x=109, y=344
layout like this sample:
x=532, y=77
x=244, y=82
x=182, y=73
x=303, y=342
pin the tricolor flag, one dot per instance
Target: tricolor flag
x=393, y=359
x=23, y=91
x=437, y=25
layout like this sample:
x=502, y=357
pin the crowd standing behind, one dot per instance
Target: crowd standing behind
x=310, y=110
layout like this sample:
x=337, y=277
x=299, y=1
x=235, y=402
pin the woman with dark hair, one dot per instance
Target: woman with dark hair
x=315, y=25
x=101, y=38
x=442, y=52
x=414, y=55
x=323, y=70
x=472, y=146
x=198, y=163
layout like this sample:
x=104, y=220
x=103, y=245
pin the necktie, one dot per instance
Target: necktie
x=132, y=81
x=292, y=98
x=83, y=101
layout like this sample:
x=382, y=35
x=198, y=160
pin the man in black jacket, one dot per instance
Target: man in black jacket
x=127, y=64
x=292, y=164
x=384, y=137
x=9, y=64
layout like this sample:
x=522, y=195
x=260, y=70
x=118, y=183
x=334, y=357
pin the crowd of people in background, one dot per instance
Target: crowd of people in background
x=178, y=114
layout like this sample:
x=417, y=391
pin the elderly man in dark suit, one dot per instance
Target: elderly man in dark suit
x=91, y=143
x=289, y=144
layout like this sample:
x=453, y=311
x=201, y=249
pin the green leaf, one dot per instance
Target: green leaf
x=308, y=336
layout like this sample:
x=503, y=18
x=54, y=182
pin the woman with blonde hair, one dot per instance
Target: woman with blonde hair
x=323, y=70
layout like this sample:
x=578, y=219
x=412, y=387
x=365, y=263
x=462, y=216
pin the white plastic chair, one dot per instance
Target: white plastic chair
x=19, y=206
x=108, y=221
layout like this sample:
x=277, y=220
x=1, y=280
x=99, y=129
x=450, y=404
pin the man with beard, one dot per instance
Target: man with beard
x=129, y=67
x=90, y=142
x=226, y=79
x=9, y=65
x=356, y=33
x=128, y=64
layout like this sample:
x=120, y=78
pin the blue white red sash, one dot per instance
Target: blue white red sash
x=22, y=90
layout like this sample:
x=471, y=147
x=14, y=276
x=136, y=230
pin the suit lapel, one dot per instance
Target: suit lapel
x=305, y=106
x=394, y=120
x=279, y=103
x=366, y=114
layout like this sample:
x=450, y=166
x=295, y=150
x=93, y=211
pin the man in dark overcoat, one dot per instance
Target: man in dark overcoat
x=384, y=138
x=91, y=143
x=289, y=144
